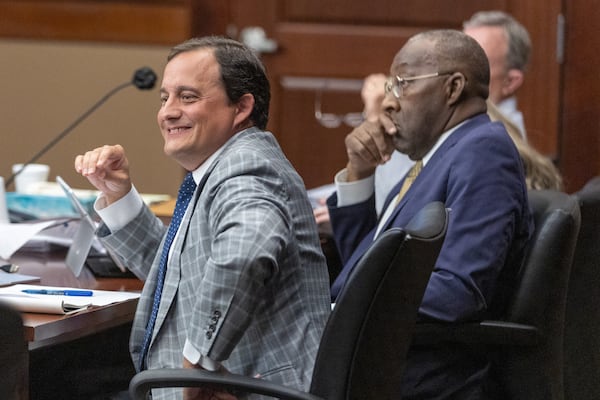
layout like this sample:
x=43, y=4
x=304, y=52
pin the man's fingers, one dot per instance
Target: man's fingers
x=387, y=124
x=369, y=142
x=100, y=161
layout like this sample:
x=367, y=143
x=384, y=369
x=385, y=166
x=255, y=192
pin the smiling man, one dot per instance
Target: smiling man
x=238, y=282
x=435, y=112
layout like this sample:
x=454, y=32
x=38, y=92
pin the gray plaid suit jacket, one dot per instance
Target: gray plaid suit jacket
x=247, y=282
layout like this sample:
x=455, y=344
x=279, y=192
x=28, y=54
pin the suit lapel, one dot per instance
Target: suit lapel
x=174, y=263
x=426, y=174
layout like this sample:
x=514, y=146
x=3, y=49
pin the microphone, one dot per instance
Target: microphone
x=144, y=79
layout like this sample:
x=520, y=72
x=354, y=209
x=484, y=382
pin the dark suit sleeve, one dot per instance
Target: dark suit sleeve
x=486, y=195
x=350, y=224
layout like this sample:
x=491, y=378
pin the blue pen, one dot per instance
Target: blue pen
x=59, y=292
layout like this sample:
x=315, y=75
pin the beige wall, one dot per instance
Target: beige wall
x=45, y=86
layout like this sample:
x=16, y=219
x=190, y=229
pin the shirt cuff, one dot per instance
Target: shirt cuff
x=354, y=192
x=193, y=355
x=121, y=212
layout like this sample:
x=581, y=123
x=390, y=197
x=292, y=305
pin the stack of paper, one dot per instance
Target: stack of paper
x=40, y=236
x=59, y=304
x=14, y=236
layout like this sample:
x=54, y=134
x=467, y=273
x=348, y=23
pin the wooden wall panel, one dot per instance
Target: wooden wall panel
x=580, y=144
x=350, y=39
x=46, y=85
x=329, y=39
x=539, y=97
x=167, y=22
x=429, y=13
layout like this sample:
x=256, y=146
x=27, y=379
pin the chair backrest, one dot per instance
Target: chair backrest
x=582, y=325
x=13, y=354
x=364, y=345
x=540, y=296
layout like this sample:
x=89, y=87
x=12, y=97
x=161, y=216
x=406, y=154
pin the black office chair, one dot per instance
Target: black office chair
x=364, y=344
x=13, y=354
x=525, y=341
x=582, y=326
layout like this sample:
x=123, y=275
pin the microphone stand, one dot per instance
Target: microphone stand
x=143, y=78
x=66, y=131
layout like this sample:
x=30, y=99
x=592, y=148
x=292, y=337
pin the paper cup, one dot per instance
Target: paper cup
x=32, y=174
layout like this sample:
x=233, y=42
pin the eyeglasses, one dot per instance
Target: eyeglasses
x=396, y=84
x=332, y=121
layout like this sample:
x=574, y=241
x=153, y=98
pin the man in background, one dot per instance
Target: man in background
x=507, y=46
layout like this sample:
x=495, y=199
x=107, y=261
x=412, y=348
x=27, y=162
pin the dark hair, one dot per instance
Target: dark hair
x=241, y=72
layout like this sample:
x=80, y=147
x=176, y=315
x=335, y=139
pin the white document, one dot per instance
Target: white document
x=50, y=305
x=14, y=236
x=56, y=304
x=40, y=236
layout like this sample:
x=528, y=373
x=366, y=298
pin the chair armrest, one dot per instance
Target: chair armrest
x=143, y=381
x=485, y=332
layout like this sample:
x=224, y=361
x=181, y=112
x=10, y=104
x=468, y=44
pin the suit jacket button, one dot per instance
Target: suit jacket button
x=209, y=335
x=217, y=313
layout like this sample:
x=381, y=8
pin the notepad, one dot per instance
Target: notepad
x=55, y=304
x=47, y=305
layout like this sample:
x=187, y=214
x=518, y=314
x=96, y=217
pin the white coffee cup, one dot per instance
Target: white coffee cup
x=32, y=174
x=3, y=207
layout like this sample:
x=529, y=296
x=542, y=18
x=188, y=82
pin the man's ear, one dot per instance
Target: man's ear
x=456, y=87
x=512, y=82
x=243, y=109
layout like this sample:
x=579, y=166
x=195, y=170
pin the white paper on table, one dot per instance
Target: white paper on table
x=56, y=304
x=14, y=236
x=49, y=305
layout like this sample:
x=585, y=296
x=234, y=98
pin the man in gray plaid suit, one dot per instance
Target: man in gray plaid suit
x=246, y=287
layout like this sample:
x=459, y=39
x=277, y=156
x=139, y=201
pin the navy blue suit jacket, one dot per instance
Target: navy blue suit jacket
x=477, y=172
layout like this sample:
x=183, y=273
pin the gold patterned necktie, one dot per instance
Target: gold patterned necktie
x=410, y=178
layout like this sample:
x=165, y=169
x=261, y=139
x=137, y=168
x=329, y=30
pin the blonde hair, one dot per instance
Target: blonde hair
x=540, y=172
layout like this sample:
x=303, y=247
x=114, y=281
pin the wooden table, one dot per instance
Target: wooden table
x=50, y=336
x=48, y=329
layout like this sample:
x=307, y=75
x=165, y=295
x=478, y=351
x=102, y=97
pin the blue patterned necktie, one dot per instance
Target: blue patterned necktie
x=186, y=190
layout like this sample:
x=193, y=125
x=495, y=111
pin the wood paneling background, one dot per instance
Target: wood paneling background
x=154, y=22
x=50, y=47
x=580, y=123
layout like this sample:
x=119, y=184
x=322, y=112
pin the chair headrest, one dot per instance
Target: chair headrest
x=545, y=203
x=429, y=222
x=590, y=193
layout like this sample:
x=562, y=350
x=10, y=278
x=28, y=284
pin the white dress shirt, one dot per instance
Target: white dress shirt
x=508, y=108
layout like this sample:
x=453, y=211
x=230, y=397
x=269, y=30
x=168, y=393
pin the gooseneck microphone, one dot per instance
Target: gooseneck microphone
x=144, y=79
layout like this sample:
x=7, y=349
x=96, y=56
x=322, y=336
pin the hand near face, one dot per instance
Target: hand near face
x=367, y=147
x=107, y=168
